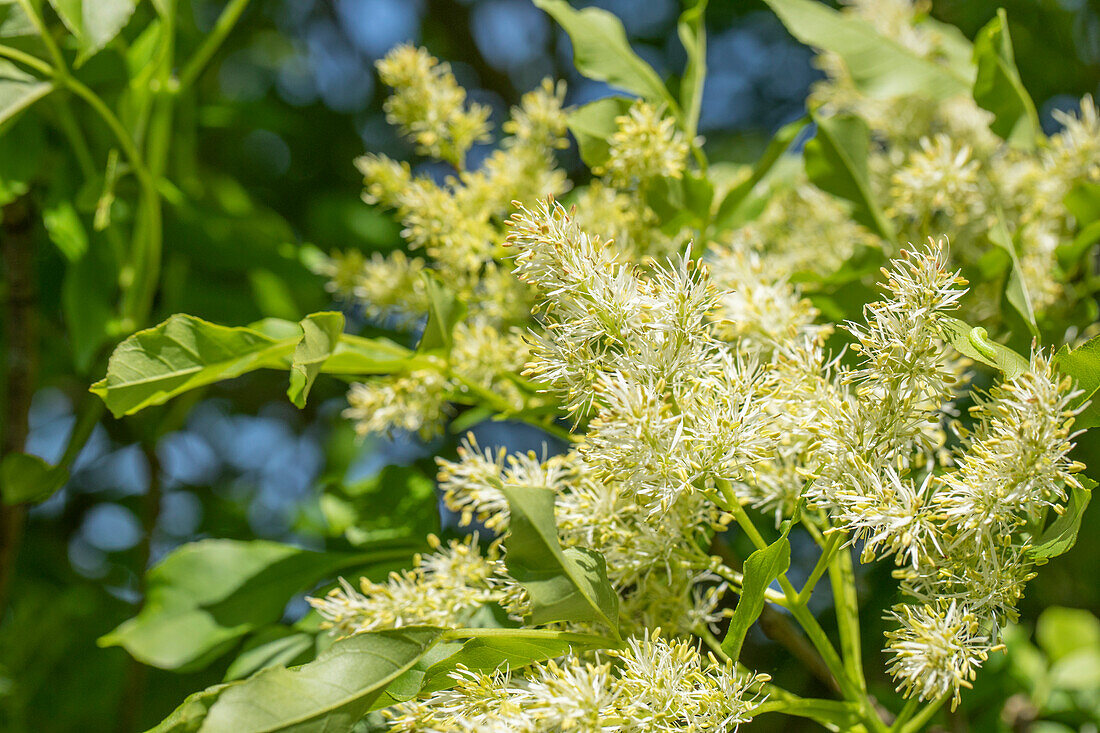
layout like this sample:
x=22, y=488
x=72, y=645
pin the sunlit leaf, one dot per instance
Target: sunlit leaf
x=593, y=124
x=1060, y=537
x=333, y=692
x=880, y=66
x=692, y=29
x=444, y=311
x=1083, y=364
x=94, y=23
x=761, y=569
x=563, y=585
x=974, y=342
x=601, y=51
x=997, y=86
x=836, y=162
x=19, y=90
x=320, y=335
x=731, y=212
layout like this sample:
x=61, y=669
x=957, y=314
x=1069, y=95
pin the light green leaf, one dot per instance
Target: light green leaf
x=277, y=645
x=320, y=334
x=28, y=478
x=761, y=569
x=206, y=595
x=13, y=21
x=333, y=692
x=65, y=229
x=1016, y=291
x=602, y=52
x=563, y=585
x=444, y=311
x=836, y=162
x=1083, y=364
x=1062, y=631
x=1083, y=201
x=832, y=714
x=973, y=342
x=997, y=86
x=593, y=125
x=880, y=66
x=731, y=212
x=1060, y=537
x=692, y=29
x=19, y=90
x=184, y=352
x=94, y=23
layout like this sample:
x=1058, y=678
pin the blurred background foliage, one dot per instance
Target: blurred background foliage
x=262, y=159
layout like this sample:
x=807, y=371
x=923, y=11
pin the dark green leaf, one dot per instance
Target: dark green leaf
x=974, y=342
x=332, y=692
x=880, y=66
x=94, y=23
x=19, y=90
x=1083, y=364
x=28, y=478
x=692, y=29
x=761, y=569
x=277, y=645
x=731, y=212
x=602, y=52
x=206, y=595
x=1061, y=535
x=563, y=585
x=444, y=311
x=997, y=86
x=22, y=144
x=320, y=334
x=593, y=125
x=1070, y=254
x=836, y=162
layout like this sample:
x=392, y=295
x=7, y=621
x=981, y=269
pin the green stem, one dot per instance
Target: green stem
x=214, y=39
x=822, y=565
x=846, y=603
x=920, y=719
x=905, y=714
x=62, y=69
x=27, y=60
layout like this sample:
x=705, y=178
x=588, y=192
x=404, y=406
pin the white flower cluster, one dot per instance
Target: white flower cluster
x=651, y=685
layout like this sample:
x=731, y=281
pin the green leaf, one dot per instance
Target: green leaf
x=19, y=90
x=94, y=23
x=184, y=352
x=836, y=162
x=680, y=202
x=1064, y=631
x=1060, y=537
x=602, y=52
x=1083, y=201
x=1016, y=291
x=761, y=569
x=832, y=714
x=1083, y=364
x=88, y=297
x=973, y=342
x=563, y=585
x=593, y=125
x=13, y=21
x=320, y=335
x=731, y=212
x=206, y=595
x=277, y=645
x=692, y=29
x=22, y=144
x=880, y=66
x=490, y=653
x=28, y=478
x=1072, y=253
x=65, y=229
x=997, y=86
x=444, y=311
x=331, y=693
